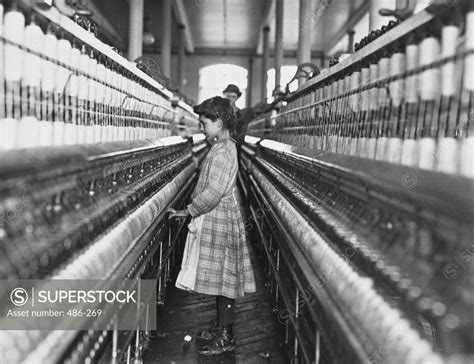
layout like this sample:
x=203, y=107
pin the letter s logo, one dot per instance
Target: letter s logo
x=19, y=296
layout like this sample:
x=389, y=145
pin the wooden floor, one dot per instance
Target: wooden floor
x=256, y=330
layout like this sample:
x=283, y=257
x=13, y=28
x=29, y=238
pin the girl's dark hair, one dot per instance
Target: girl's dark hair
x=218, y=108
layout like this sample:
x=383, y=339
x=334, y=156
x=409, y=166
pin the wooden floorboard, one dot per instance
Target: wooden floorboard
x=256, y=330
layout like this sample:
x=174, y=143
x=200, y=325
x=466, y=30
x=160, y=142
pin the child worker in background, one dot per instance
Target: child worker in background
x=223, y=266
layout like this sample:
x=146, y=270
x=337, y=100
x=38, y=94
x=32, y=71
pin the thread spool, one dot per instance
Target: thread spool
x=411, y=85
x=101, y=131
x=109, y=103
x=467, y=157
x=152, y=111
x=411, y=102
x=328, y=118
x=13, y=30
x=314, y=119
x=48, y=81
x=336, y=123
x=395, y=146
x=469, y=62
x=146, y=111
x=317, y=136
x=71, y=128
x=365, y=106
x=347, y=111
x=115, y=106
x=467, y=144
x=384, y=72
x=143, y=112
x=355, y=107
x=338, y=119
x=449, y=38
x=355, y=79
x=297, y=120
x=447, y=148
x=83, y=95
x=133, y=110
x=397, y=67
x=409, y=152
x=28, y=125
x=307, y=122
x=142, y=126
x=426, y=153
x=92, y=128
x=396, y=87
x=373, y=108
x=132, y=129
x=324, y=112
x=429, y=85
x=447, y=155
x=429, y=91
x=64, y=49
x=33, y=40
x=122, y=104
x=2, y=81
x=140, y=110
x=311, y=138
x=128, y=125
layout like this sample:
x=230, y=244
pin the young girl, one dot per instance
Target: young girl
x=224, y=269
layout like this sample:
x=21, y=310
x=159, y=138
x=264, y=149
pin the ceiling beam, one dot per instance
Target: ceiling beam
x=352, y=21
x=105, y=27
x=267, y=18
x=182, y=19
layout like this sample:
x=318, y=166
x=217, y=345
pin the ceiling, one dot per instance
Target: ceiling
x=329, y=19
x=235, y=25
x=225, y=23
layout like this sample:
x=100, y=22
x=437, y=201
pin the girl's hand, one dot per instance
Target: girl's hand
x=177, y=214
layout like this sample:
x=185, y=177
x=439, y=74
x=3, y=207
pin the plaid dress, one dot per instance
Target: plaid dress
x=224, y=266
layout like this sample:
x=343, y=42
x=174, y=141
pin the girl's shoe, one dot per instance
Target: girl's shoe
x=208, y=334
x=224, y=341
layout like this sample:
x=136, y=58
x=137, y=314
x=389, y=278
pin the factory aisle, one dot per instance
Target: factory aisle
x=256, y=329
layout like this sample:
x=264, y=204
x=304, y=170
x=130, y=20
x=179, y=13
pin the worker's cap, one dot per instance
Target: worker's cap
x=232, y=88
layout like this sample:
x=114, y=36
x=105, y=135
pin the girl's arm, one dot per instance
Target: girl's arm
x=218, y=178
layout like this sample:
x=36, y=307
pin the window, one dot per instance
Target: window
x=213, y=79
x=287, y=73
